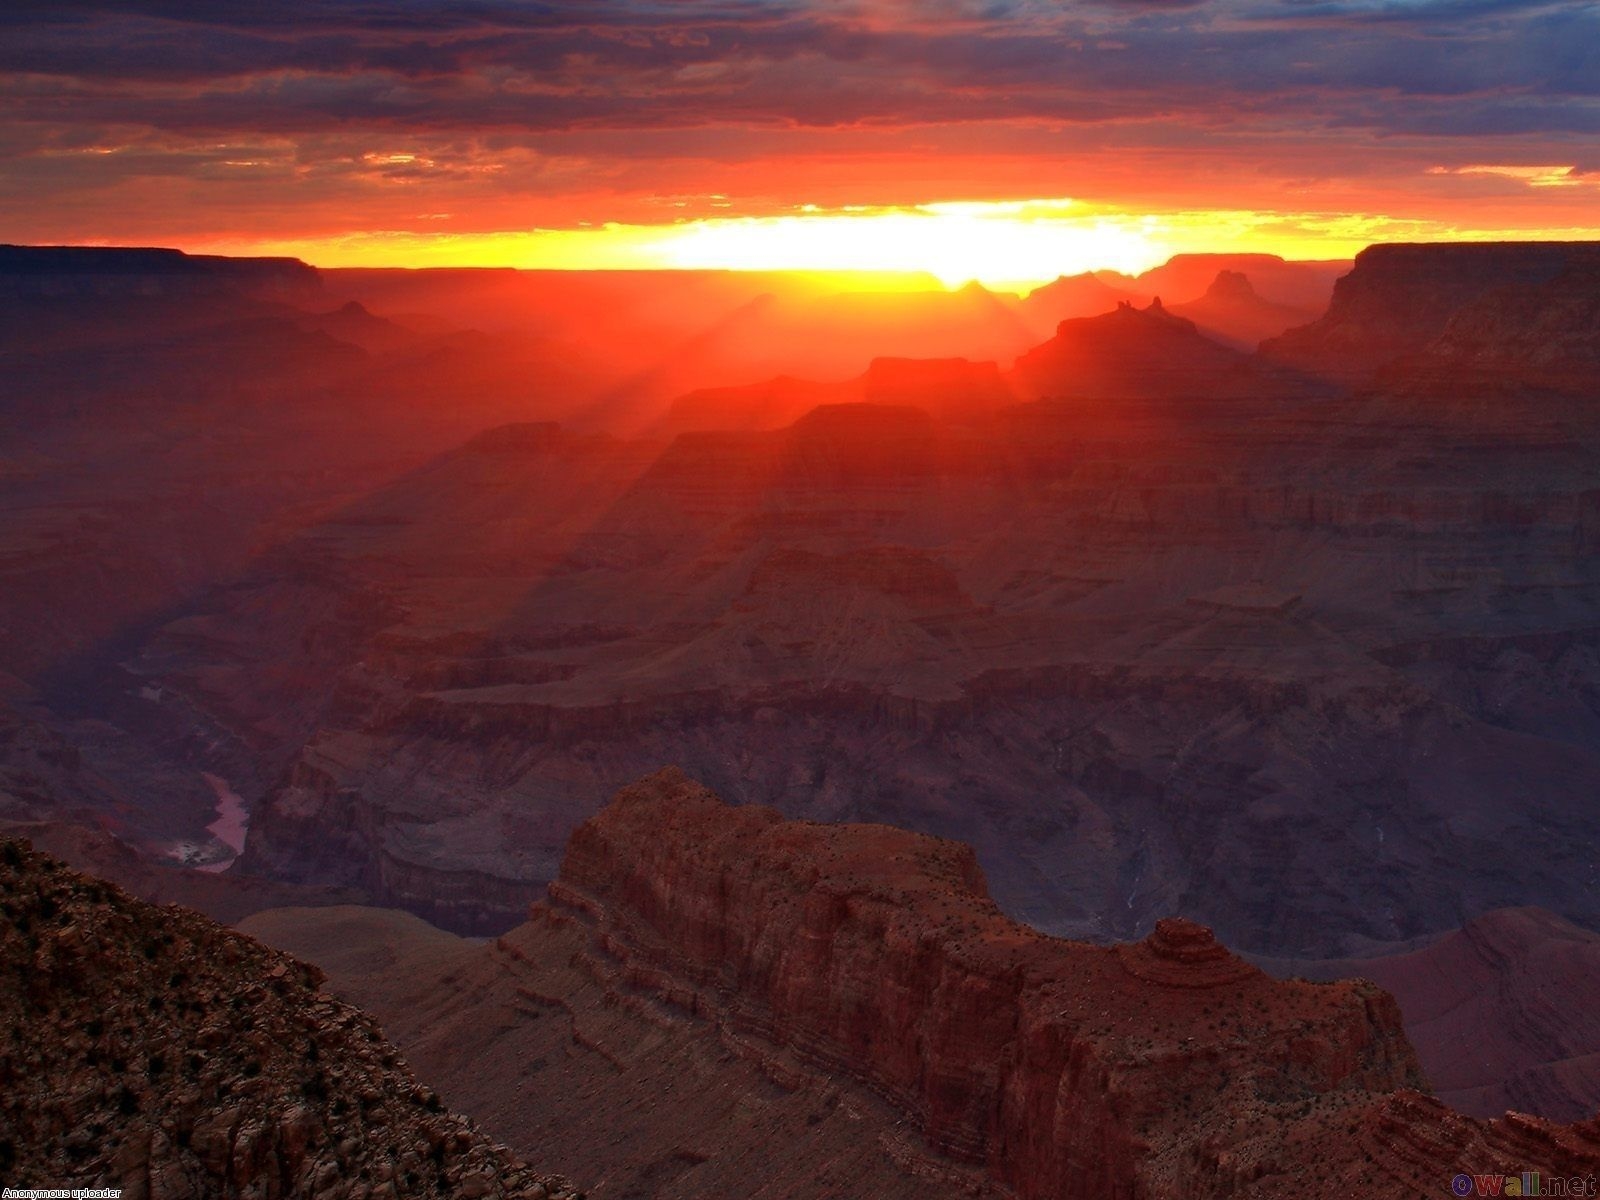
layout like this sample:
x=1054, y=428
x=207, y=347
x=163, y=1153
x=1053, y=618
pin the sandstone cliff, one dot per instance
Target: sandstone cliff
x=1398, y=299
x=1525, y=334
x=1163, y=1068
x=150, y=1050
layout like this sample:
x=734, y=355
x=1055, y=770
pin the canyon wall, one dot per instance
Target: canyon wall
x=1167, y=1067
x=1398, y=298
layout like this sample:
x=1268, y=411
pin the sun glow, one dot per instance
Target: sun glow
x=995, y=244
x=1010, y=244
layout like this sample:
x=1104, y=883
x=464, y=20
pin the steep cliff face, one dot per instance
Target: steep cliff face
x=1167, y=1067
x=1398, y=298
x=729, y=1001
x=1541, y=334
x=150, y=1050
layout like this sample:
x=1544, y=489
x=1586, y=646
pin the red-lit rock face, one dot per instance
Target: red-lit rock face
x=1164, y=1068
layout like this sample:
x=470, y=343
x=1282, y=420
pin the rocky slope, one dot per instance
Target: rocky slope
x=862, y=968
x=150, y=1050
x=638, y=1097
x=1540, y=334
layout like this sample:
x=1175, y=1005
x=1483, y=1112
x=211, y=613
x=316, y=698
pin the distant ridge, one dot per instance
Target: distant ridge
x=1130, y=351
x=148, y=270
x=1400, y=297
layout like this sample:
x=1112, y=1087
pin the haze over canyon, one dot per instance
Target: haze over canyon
x=740, y=731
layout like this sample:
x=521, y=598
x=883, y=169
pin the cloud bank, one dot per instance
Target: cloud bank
x=321, y=116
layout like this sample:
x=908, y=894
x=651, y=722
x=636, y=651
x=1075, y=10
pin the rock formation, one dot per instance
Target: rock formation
x=1074, y=296
x=1300, y=666
x=1132, y=352
x=1357, y=624
x=1281, y=294
x=1063, y=1068
x=1303, y=284
x=860, y=966
x=1543, y=334
x=1234, y=313
x=1398, y=299
x=39, y=272
x=150, y=1050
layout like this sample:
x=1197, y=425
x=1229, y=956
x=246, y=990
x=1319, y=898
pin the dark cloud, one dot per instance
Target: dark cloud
x=552, y=63
x=1409, y=12
x=1206, y=76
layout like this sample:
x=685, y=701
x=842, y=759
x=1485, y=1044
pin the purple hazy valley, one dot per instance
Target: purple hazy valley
x=1138, y=736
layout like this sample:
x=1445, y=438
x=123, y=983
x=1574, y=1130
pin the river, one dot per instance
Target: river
x=233, y=819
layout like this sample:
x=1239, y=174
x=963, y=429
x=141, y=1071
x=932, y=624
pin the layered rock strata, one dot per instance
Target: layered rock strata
x=1165, y=1068
x=1397, y=299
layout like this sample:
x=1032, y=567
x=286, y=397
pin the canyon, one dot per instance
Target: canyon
x=1298, y=665
x=1299, y=645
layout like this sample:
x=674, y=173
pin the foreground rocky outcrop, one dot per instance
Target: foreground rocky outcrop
x=695, y=957
x=150, y=1050
x=1167, y=1067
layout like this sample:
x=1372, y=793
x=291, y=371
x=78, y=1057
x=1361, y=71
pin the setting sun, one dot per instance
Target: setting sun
x=1002, y=244
x=993, y=243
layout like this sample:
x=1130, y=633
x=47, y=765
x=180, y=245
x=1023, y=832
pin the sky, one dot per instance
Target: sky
x=992, y=139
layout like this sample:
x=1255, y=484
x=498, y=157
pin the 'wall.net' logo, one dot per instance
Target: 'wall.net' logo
x=1529, y=1183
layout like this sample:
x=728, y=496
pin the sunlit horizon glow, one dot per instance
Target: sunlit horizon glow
x=1004, y=245
x=802, y=135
